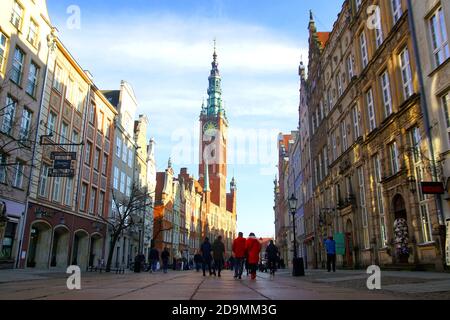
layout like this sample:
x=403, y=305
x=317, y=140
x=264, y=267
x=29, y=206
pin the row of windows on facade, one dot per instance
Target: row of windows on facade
x=377, y=178
x=53, y=189
x=440, y=51
x=124, y=152
x=436, y=27
x=170, y=236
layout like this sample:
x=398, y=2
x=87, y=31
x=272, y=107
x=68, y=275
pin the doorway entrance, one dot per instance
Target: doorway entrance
x=60, y=248
x=401, y=233
x=39, y=245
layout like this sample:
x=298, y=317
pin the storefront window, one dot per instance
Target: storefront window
x=8, y=241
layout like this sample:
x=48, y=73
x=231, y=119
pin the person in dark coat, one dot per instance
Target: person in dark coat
x=218, y=249
x=137, y=263
x=165, y=255
x=153, y=258
x=205, y=250
x=272, y=257
x=198, y=260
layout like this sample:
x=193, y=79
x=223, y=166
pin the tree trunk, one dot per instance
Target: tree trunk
x=111, y=251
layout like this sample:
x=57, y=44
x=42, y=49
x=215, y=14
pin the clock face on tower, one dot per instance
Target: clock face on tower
x=210, y=129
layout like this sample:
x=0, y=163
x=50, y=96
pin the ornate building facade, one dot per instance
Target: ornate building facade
x=368, y=140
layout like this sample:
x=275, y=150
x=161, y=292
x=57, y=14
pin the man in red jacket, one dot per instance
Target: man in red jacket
x=239, y=255
x=253, y=248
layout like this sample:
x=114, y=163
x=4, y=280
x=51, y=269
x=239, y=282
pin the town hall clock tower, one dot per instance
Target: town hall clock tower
x=213, y=140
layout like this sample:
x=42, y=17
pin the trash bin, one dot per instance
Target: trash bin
x=298, y=269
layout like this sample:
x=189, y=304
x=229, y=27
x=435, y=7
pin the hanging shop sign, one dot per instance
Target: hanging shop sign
x=62, y=164
x=432, y=188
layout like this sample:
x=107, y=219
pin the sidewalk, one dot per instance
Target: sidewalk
x=417, y=284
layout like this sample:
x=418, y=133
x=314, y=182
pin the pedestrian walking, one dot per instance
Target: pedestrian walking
x=153, y=258
x=253, y=248
x=205, y=250
x=165, y=255
x=218, y=249
x=239, y=255
x=272, y=253
x=198, y=260
x=330, y=246
x=137, y=263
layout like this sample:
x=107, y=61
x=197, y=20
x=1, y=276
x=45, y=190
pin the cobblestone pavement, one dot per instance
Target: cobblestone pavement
x=401, y=284
x=190, y=285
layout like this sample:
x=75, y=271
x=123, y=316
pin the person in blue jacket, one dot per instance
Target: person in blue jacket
x=330, y=246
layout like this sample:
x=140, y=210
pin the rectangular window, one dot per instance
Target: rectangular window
x=26, y=124
x=33, y=32
x=17, y=15
x=406, y=73
x=325, y=160
x=101, y=201
x=386, y=89
x=339, y=84
x=2, y=168
x=70, y=90
x=57, y=82
x=118, y=147
x=378, y=32
x=51, y=122
x=356, y=121
x=130, y=157
x=83, y=197
x=9, y=114
x=362, y=197
x=104, y=164
x=92, y=201
x=122, y=182
x=396, y=10
x=96, y=159
x=350, y=68
x=371, y=110
x=33, y=76
x=439, y=39
x=446, y=107
x=80, y=100
x=116, y=178
x=124, y=152
x=43, y=181
x=364, y=52
x=3, y=51
x=63, y=138
x=334, y=143
x=128, y=186
x=393, y=150
x=100, y=122
x=17, y=66
x=75, y=139
x=69, y=191
x=56, y=189
x=108, y=129
x=344, y=136
x=87, y=159
x=92, y=113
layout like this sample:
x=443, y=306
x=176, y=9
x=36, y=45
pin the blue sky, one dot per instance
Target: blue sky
x=164, y=49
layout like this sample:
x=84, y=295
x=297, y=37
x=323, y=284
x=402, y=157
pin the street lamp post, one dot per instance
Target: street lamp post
x=297, y=263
